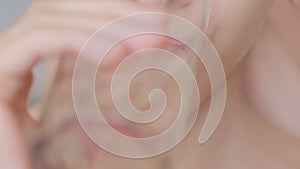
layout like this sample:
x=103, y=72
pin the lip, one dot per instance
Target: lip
x=175, y=45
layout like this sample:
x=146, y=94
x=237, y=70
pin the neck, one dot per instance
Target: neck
x=243, y=137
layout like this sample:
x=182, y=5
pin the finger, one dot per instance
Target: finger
x=13, y=143
x=70, y=38
x=94, y=7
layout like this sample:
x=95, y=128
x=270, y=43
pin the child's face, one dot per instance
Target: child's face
x=69, y=130
x=144, y=83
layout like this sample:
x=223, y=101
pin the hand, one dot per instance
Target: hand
x=48, y=29
x=59, y=28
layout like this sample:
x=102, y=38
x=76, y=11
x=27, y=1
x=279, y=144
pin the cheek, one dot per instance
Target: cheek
x=193, y=11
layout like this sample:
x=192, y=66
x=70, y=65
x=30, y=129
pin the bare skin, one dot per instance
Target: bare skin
x=255, y=132
x=24, y=43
